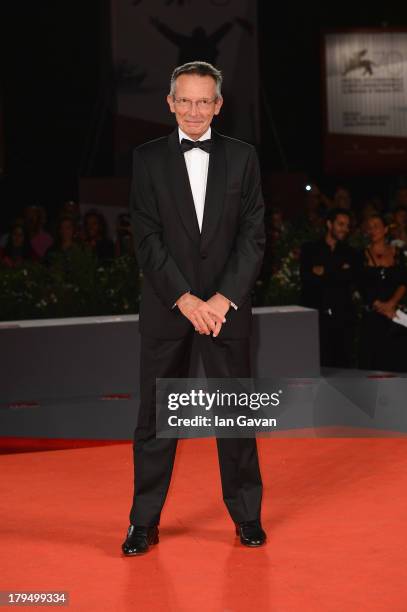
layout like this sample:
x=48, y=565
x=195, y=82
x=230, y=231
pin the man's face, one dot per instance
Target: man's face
x=194, y=120
x=340, y=227
x=92, y=226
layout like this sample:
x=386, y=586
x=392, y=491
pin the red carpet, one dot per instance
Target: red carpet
x=335, y=511
x=25, y=445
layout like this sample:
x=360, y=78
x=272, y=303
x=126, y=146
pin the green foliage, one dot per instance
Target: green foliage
x=73, y=284
x=283, y=287
x=76, y=284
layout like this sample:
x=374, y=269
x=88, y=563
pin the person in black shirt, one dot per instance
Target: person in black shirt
x=382, y=280
x=327, y=270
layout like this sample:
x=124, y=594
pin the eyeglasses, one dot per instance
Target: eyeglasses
x=203, y=104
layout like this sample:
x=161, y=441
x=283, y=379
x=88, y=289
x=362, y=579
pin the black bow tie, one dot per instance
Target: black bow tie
x=187, y=145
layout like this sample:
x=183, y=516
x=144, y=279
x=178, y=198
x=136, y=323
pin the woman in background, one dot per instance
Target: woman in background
x=95, y=235
x=383, y=284
x=18, y=249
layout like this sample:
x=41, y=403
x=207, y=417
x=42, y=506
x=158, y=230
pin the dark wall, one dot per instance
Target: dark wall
x=55, y=66
x=290, y=65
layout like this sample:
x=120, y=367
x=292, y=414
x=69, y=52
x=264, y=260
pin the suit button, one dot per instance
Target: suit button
x=204, y=255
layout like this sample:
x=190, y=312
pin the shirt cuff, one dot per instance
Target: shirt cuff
x=230, y=301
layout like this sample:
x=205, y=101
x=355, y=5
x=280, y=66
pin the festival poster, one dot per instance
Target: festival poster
x=151, y=37
x=365, y=101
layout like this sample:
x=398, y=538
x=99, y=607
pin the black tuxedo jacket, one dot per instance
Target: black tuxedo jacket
x=174, y=255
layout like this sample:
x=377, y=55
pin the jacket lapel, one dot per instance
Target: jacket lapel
x=182, y=194
x=180, y=186
x=215, y=189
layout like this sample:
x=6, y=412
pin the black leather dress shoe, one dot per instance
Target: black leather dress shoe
x=138, y=539
x=251, y=533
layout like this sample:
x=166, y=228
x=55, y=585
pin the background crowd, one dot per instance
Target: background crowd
x=349, y=263
x=344, y=258
x=29, y=238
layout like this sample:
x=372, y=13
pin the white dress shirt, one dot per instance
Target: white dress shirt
x=197, y=163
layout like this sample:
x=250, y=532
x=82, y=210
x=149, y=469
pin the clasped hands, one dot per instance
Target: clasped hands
x=206, y=317
x=318, y=270
x=388, y=309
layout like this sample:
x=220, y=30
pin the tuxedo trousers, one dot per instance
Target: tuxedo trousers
x=154, y=457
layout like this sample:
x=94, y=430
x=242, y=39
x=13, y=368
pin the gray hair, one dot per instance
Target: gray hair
x=200, y=68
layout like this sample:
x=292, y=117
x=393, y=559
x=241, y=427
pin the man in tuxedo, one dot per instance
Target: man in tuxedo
x=198, y=223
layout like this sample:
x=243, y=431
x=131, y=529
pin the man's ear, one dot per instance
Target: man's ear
x=218, y=105
x=170, y=101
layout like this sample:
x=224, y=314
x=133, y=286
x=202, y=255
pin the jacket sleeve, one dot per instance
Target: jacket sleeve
x=310, y=256
x=244, y=263
x=152, y=254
